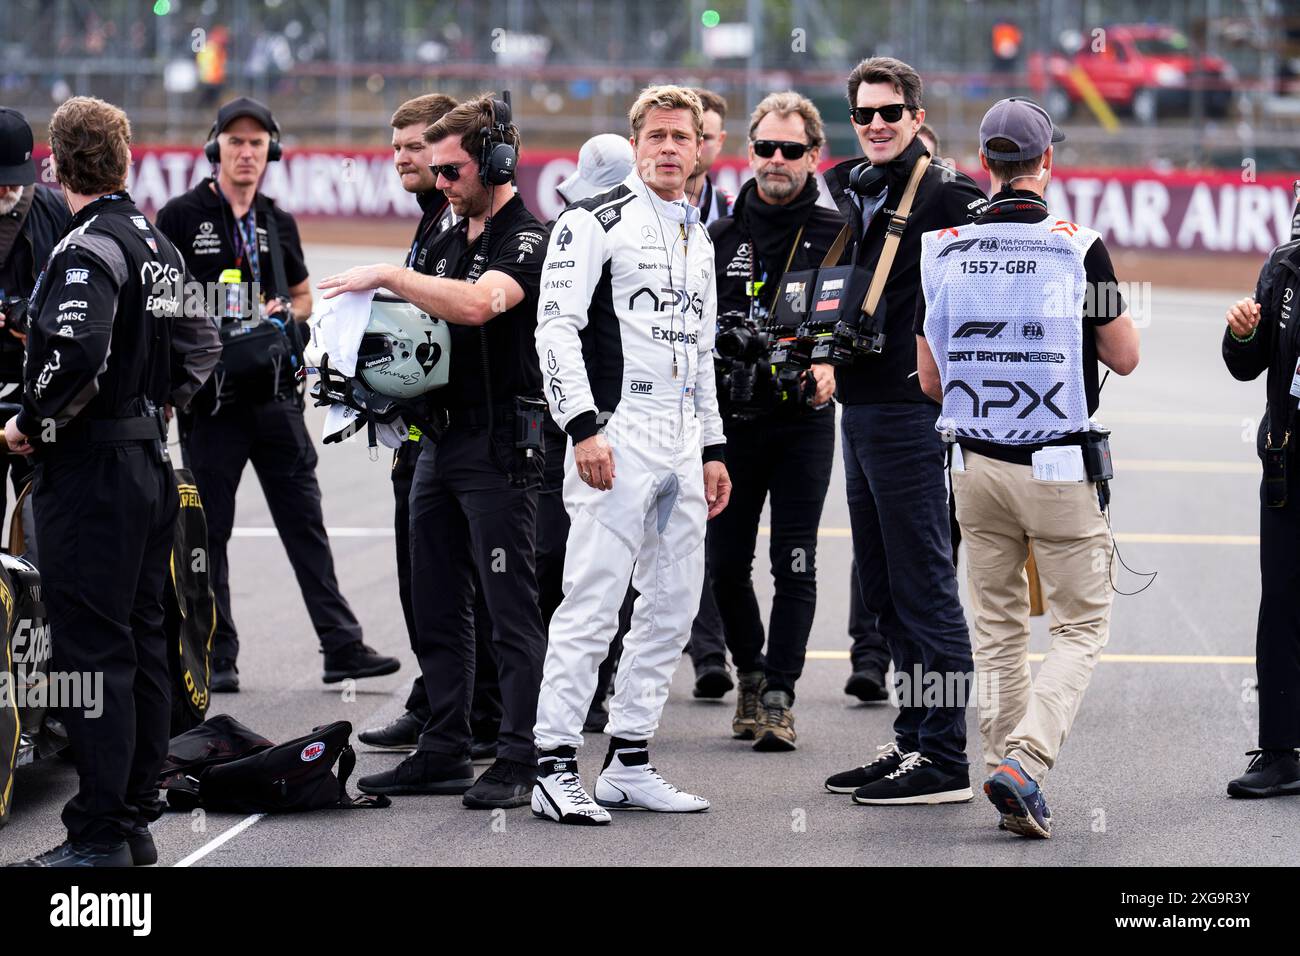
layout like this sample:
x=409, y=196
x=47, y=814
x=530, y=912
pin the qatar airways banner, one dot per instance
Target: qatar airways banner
x=1131, y=208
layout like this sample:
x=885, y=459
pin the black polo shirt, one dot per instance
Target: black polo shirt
x=201, y=225
x=1102, y=304
x=516, y=246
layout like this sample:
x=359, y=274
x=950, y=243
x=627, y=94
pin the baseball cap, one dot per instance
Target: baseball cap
x=246, y=106
x=1023, y=122
x=17, y=167
x=604, y=161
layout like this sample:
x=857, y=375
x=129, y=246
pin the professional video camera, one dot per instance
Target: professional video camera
x=821, y=308
x=745, y=344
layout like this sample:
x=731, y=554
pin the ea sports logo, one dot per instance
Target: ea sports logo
x=312, y=751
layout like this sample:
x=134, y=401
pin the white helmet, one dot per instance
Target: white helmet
x=404, y=351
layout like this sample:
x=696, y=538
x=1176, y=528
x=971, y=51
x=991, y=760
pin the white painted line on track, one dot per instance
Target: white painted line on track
x=225, y=837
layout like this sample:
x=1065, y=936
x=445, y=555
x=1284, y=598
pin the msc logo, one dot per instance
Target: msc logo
x=1014, y=392
x=970, y=330
x=1032, y=330
x=672, y=299
x=564, y=238
x=989, y=243
x=960, y=246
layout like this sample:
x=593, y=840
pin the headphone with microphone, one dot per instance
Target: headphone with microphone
x=867, y=180
x=212, y=148
x=497, y=158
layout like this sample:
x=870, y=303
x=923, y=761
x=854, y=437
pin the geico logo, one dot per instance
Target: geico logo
x=1014, y=392
x=74, y=304
x=151, y=272
x=560, y=264
x=31, y=643
x=673, y=335
x=672, y=299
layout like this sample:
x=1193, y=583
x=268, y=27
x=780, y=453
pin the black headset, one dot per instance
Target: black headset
x=867, y=180
x=497, y=158
x=212, y=148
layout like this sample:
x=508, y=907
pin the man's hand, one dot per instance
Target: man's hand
x=1243, y=317
x=17, y=441
x=274, y=307
x=357, y=279
x=823, y=374
x=595, y=460
x=717, y=487
x=14, y=332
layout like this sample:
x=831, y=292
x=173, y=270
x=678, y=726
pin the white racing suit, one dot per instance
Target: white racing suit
x=626, y=320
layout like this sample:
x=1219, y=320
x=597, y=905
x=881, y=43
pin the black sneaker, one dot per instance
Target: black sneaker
x=506, y=784
x=356, y=660
x=402, y=733
x=712, y=682
x=1272, y=773
x=422, y=772
x=918, y=780
x=887, y=761
x=867, y=686
x=482, y=750
x=225, y=676
x=140, y=842
x=70, y=854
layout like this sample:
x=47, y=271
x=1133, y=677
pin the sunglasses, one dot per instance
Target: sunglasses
x=448, y=171
x=766, y=148
x=863, y=115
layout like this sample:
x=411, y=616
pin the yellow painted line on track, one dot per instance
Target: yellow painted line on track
x=1105, y=658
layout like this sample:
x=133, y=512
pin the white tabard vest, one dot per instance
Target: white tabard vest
x=1004, y=318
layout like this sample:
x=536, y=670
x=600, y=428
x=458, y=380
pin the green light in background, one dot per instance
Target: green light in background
x=710, y=18
x=162, y=7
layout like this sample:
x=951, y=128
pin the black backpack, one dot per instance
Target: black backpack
x=223, y=766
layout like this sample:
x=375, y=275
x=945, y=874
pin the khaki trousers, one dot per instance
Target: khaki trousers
x=1001, y=508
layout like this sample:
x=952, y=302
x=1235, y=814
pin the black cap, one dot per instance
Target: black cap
x=246, y=106
x=17, y=168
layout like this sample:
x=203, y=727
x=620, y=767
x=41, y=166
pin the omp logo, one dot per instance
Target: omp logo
x=959, y=246
x=76, y=276
x=312, y=751
x=77, y=909
x=1032, y=330
x=672, y=299
x=643, y=388
x=989, y=330
x=1015, y=391
x=608, y=215
x=563, y=239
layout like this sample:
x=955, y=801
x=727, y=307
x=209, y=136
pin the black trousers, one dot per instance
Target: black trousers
x=790, y=461
x=105, y=517
x=473, y=530
x=1277, y=640
x=273, y=436
x=485, y=712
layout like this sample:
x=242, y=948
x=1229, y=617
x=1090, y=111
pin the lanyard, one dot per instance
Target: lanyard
x=243, y=237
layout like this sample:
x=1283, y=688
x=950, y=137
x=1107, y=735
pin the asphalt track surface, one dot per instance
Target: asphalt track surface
x=1140, y=782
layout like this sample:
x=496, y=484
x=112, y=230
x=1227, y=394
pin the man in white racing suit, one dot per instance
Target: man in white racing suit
x=626, y=321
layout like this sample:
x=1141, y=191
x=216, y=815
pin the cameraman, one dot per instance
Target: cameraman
x=1261, y=337
x=893, y=457
x=780, y=435
x=225, y=226
x=1025, y=479
x=474, y=495
x=32, y=218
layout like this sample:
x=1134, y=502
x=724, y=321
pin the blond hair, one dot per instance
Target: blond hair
x=790, y=103
x=666, y=98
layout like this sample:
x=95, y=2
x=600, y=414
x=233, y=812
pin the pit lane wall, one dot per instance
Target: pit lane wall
x=1138, y=209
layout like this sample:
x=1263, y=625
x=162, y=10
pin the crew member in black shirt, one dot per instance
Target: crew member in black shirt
x=474, y=496
x=225, y=224
x=780, y=435
x=113, y=339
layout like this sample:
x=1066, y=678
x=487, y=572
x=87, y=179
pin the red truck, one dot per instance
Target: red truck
x=1148, y=70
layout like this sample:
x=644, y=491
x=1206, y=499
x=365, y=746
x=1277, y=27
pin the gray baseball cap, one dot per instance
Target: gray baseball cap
x=1023, y=122
x=604, y=161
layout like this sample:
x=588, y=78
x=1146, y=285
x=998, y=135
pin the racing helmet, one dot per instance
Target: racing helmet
x=404, y=351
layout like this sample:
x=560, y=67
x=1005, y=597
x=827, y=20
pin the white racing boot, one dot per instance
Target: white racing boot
x=631, y=783
x=558, y=794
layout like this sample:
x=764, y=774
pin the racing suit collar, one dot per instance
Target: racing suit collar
x=678, y=211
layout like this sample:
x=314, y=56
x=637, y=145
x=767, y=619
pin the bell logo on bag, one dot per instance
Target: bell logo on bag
x=312, y=751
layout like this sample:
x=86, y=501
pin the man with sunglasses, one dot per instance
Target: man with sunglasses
x=473, y=500
x=780, y=439
x=894, y=458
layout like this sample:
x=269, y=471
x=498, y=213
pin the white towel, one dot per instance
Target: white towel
x=336, y=330
x=342, y=421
